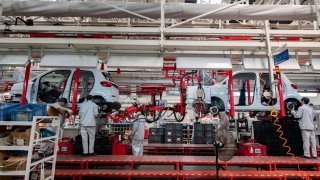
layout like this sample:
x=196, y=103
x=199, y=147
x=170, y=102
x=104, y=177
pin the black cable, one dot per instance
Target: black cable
x=1, y=73
x=173, y=75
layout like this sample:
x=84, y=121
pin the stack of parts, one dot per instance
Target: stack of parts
x=174, y=133
x=203, y=133
x=156, y=135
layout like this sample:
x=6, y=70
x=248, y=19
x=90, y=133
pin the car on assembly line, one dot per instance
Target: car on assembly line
x=255, y=84
x=48, y=87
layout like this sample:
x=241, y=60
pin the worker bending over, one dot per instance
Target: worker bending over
x=88, y=113
x=306, y=115
x=60, y=107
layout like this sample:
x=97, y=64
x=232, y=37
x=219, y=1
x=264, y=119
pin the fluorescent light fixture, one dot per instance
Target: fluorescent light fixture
x=309, y=94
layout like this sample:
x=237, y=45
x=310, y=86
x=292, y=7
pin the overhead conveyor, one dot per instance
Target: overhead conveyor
x=153, y=10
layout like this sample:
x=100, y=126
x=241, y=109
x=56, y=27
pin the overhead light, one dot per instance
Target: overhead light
x=309, y=94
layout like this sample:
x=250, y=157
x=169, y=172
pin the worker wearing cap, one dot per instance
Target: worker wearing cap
x=88, y=113
x=306, y=115
x=60, y=107
x=138, y=135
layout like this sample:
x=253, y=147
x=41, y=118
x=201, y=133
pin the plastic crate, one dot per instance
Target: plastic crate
x=199, y=133
x=209, y=127
x=173, y=140
x=26, y=113
x=174, y=126
x=199, y=140
x=209, y=133
x=19, y=153
x=209, y=140
x=198, y=126
x=171, y=132
x=46, y=133
x=156, y=139
x=5, y=111
x=156, y=131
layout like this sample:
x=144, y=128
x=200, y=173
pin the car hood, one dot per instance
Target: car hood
x=17, y=87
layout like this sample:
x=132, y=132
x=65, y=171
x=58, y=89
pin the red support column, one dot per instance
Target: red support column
x=25, y=85
x=75, y=91
x=232, y=111
x=248, y=91
x=282, y=110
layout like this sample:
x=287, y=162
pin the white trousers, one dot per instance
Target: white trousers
x=88, y=136
x=309, y=138
x=137, y=147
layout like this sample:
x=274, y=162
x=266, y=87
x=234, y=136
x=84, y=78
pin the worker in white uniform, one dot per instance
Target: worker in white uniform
x=60, y=106
x=88, y=113
x=306, y=115
x=138, y=135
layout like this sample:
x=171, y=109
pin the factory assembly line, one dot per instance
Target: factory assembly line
x=176, y=89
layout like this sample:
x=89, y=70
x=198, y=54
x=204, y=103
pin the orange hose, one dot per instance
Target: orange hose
x=274, y=114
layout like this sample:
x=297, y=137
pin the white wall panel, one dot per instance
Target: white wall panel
x=13, y=60
x=194, y=63
x=149, y=62
x=262, y=64
x=315, y=64
x=60, y=61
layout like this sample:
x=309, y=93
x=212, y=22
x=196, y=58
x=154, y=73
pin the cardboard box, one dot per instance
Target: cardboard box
x=5, y=138
x=21, y=137
x=127, y=137
x=15, y=163
x=52, y=111
x=5, y=155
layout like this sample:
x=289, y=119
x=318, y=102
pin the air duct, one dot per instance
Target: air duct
x=152, y=10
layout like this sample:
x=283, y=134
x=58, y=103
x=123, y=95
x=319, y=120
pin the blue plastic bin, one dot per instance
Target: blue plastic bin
x=46, y=133
x=5, y=110
x=19, y=153
x=26, y=113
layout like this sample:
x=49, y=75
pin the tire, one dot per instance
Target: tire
x=293, y=101
x=215, y=101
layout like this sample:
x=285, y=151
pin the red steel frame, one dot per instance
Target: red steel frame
x=25, y=84
x=179, y=161
x=248, y=91
x=282, y=110
x=232, y=111
x=102, y=67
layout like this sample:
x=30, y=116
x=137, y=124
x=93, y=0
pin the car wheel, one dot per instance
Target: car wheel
x=291, y=104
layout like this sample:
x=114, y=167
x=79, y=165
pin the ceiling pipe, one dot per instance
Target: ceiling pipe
x=153, y=10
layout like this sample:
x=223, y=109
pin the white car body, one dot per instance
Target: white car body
x=220, y=91
x=109, y=94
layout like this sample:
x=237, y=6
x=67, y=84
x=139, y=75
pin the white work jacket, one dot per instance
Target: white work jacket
x=305, y=114
x=88, y=113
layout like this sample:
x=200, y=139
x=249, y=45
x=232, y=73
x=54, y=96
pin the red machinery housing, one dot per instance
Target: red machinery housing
x=179, y=110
